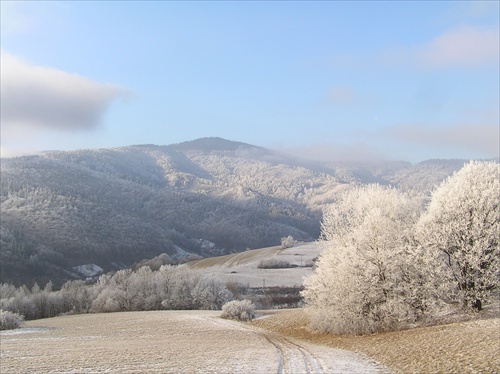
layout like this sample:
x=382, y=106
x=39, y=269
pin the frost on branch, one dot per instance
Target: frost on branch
x=240, y=310
x=369, y=276
x=462, y=226
x=9, y=320
x=383, y=268
x=287, y=242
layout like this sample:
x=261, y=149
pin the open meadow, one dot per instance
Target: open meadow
x=202, y=342
x=165, y=342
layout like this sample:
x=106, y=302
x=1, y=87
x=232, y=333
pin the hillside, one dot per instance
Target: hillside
x=116, y=207
x=245, y=267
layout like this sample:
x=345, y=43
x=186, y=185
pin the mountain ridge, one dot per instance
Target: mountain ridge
x=116, y=207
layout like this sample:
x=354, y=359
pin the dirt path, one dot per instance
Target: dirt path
x=165, y=342
x=293, y=356
x=461, y=347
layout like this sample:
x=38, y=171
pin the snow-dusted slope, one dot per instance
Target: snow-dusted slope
x=116, y=207
x=244, y=267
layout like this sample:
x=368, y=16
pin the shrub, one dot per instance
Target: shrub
x=275, y=264
x=9, y=320
x=240, y=310
x=287, y=242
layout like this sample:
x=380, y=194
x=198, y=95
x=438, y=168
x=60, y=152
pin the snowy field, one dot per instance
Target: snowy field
x=452, y=347
x=165, y=342
x=243, y=267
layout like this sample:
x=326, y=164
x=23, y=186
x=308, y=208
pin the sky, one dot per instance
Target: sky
x=407, y=80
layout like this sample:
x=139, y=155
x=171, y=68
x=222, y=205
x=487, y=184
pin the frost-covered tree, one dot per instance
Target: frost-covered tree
x=9, y=320
x=182, y=284
x=462, y=225
x=287, y=242
x=210, y=293
x=240, y=310
x=363, y=280
x=78, y=296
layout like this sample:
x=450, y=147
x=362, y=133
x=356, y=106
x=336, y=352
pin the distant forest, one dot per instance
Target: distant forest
x=116, y=207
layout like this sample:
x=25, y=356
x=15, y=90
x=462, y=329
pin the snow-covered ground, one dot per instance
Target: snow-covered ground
x=89, y=270
x=243, y=267
x=166, y=342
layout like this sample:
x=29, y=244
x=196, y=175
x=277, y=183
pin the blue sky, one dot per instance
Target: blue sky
x=328, y=80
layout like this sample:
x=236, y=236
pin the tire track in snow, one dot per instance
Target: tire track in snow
x=294, y=357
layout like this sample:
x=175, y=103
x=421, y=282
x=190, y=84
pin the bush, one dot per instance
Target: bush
x=240, y=310
x=275, y=264
x=287, y=242
x=9, y=320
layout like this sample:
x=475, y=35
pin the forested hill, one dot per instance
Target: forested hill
x=116, y=207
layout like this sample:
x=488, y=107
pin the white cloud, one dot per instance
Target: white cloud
x=37, y=101
x=463, y=47
x=41, y=97
x=466, y=46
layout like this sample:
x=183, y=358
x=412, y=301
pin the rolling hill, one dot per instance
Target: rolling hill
x=249, y=268
x=115, y=207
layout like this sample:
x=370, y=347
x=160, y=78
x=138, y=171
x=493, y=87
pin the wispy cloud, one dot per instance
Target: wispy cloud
x=478, y=138
x=462, y=47
x=466, y=46
x=340, y=95
x=362, y=152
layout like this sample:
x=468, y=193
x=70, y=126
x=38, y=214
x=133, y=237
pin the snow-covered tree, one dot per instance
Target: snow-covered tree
x=240, y=310
x=210, y=293
x=462, y=225
x=9, y=320
x=287, y=242
x=362, y=282
x=78, y=296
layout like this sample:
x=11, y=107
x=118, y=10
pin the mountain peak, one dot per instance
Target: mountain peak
x=211, y=144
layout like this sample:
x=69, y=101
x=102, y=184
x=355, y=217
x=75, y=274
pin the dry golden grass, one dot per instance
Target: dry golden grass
x=165, y=342
x=234, y=259
x=464, y=347
x=135, y=342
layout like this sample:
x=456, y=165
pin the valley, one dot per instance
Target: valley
x=113, y=208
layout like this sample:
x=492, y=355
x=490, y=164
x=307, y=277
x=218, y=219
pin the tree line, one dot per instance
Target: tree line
x=170, y=287
x=387, y=263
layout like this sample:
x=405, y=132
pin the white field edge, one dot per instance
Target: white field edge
x=165, y=342
x=243, y=267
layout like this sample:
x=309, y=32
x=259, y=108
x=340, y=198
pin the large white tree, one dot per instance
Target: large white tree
x=368, y=276
x=462, y=226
